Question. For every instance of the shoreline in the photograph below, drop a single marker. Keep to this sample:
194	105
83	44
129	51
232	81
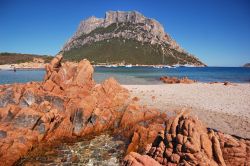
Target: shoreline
224	108
31	65
111	65
155	66
23	66
22	69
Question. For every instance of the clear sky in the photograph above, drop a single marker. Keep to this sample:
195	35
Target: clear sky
216	31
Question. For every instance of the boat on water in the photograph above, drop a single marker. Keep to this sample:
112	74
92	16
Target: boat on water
130	65
187	65
176	65
111	66
166	66
158	67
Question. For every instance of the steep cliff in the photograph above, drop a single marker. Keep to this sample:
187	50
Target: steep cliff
126	37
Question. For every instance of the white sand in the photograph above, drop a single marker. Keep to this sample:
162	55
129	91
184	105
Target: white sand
6	67
26	65
226	108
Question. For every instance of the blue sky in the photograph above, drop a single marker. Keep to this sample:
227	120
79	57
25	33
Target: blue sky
216	31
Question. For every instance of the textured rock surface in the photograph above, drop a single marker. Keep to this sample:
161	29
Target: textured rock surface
135	159
68	104
128	25
185	141
134	17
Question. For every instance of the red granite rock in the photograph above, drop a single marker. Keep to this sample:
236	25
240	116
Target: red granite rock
67	104
142	125
135	159
234	151
186	141
175	80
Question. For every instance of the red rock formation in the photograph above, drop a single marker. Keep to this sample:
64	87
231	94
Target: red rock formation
68	104
175	80
141	125
234	151
135	159
186	141
69	74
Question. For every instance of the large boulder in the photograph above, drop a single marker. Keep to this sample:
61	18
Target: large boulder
67	74
186	141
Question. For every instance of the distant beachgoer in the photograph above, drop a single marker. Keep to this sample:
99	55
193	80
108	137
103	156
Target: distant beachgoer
14	69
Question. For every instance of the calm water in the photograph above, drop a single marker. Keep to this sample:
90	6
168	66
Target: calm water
143	75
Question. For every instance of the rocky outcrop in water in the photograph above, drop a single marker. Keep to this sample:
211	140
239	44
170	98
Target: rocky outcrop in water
127	28
175	80
246	65
68	105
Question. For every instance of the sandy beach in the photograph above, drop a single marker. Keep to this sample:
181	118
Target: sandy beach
224	108
23	66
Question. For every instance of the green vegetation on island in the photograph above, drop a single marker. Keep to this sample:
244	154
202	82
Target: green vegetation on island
16	58
117	50
125	42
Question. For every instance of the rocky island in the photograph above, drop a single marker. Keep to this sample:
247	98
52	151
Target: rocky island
125	38
246	65
68	104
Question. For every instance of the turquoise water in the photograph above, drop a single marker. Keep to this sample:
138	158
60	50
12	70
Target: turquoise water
9	77
143	75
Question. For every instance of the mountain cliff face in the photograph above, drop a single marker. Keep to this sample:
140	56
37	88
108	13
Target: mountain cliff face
126	37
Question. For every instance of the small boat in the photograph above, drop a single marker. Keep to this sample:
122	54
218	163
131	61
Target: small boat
130	65
188	65
166	66
111	66
158	67
176	65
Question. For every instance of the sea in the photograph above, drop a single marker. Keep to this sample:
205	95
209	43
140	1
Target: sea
142	75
